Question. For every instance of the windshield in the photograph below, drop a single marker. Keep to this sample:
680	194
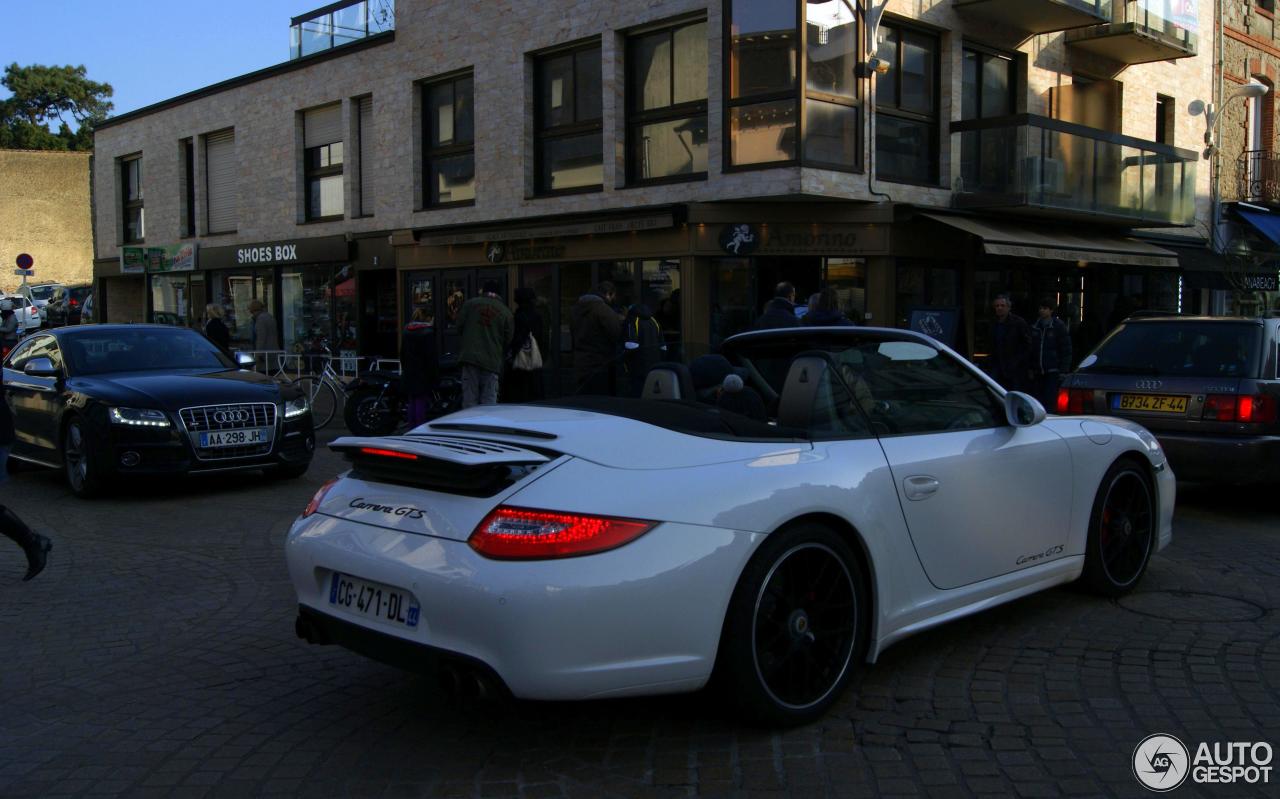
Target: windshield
1179	348
42	292
96	352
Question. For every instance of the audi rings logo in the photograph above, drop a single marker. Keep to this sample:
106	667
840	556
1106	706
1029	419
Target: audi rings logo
1148	384
231	417
1161	763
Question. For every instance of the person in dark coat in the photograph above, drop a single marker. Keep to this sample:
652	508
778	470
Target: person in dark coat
1010	346
525	385
214	328
826	311
643	346
35	546
597	339
419	366
1050	354
781	310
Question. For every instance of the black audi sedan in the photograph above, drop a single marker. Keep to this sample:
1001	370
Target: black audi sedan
117	401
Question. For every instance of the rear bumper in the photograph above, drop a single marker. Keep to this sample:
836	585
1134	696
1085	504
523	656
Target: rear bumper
641	619
1222	459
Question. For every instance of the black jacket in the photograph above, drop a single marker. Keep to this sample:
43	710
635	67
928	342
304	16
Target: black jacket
419	364
778	313
1011	352
644	342
528	322
826	319
1050	346
217	332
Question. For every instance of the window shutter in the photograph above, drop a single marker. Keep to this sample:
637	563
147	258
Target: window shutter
322	126
366	156
220	168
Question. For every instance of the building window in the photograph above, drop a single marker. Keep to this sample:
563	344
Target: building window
667	104
322	162
364	108
762	103
131	195
832	128
907	107
987	86
568	120
449	164
188	187
220	181
1164	119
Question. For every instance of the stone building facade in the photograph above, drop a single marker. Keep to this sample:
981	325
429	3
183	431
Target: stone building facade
44	212
1246	159
1000	152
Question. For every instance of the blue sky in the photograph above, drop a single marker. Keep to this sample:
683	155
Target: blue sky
150	50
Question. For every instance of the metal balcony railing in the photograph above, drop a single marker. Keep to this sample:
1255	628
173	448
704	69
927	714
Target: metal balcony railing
1061	169
1258	177
339	24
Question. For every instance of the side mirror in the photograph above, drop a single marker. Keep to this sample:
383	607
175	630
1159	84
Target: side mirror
1023	410
41	367
245	361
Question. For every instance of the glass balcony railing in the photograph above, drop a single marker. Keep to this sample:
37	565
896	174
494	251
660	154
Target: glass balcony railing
339	24
1039	16
1162	19
1046	166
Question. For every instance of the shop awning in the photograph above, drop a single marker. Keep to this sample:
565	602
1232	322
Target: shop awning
1055	244
1266	224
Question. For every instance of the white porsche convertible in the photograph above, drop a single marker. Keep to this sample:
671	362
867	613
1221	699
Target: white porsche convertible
599	547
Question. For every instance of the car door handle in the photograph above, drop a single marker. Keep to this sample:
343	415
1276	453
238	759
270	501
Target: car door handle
919	487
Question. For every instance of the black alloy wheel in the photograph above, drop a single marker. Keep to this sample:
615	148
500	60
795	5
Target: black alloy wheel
77	460
1122	530
796	624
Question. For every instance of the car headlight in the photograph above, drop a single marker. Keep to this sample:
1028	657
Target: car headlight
139	417
293	408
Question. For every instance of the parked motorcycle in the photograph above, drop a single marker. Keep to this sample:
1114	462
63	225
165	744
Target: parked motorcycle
376	405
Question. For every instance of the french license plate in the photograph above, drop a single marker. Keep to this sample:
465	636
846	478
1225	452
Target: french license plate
1149	403
373	600
234	438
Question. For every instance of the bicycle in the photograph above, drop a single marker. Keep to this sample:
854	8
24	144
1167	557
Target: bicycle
322	390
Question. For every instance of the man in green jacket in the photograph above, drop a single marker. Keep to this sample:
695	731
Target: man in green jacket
486	326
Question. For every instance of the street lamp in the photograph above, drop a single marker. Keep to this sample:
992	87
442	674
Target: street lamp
1253	90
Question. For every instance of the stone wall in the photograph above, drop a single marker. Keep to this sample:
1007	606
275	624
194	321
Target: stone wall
44	212
1251	50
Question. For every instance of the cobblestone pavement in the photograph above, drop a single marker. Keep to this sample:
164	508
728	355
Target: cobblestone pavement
156	656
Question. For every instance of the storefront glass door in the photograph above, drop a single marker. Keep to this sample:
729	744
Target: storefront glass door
232	291
171	299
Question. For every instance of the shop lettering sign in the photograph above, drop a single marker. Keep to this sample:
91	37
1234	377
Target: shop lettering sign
267	255
1258	282
535	252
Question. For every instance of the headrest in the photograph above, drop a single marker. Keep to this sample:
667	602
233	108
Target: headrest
806	380
668	381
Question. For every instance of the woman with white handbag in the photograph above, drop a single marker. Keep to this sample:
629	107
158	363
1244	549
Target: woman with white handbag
528	351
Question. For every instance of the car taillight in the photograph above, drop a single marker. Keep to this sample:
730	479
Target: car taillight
314	504
1253	409
523	534
1075	400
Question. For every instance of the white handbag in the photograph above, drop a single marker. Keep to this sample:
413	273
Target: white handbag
529	358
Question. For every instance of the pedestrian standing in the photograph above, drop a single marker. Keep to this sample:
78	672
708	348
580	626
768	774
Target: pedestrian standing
419	365
1010	346
643	346
597	338
825	310
781	310
262	333
1050	354
529	350
35	546
8	326
485	325
214	328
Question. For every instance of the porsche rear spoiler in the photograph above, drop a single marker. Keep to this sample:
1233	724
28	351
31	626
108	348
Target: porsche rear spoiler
448	464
